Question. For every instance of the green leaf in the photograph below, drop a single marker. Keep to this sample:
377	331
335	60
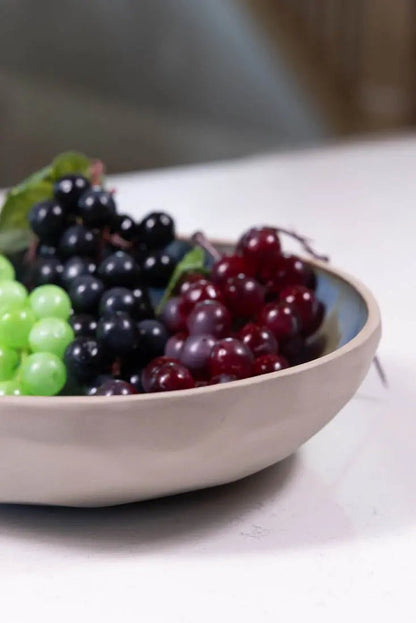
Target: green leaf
18	203
32	180
192	262
70	162
14	240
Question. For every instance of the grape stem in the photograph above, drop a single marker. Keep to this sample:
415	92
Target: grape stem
97	172
304	241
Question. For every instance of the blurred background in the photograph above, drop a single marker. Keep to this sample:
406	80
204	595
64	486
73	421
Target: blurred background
152	83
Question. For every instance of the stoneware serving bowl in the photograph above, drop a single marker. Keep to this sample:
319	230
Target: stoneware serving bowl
98	451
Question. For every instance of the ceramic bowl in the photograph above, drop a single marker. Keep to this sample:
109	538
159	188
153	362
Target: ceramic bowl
83	451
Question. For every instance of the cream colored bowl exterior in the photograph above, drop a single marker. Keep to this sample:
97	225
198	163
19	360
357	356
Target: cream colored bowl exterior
82	451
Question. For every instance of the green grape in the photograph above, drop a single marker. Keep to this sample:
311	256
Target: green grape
42	374
15	326
50	335
50	302
6	269
10	388
9	360
13	295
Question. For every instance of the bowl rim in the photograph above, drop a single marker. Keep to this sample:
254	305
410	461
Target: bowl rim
372	324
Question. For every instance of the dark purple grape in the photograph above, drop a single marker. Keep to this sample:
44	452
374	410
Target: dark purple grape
134	302
115	387
68	189
83	325
90	389
195	354
76	267
96	207
78	240
47	271
120	269
126	227
153	337
46	251
85	359
174	345
157	230
157	269
85	294
118	334
47	220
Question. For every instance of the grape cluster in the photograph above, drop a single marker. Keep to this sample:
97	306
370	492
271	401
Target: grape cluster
83	322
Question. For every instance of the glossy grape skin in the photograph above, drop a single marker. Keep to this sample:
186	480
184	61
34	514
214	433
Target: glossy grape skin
118	334
116	387
85	359
152	367
83	325
120	270
11	388
46	251
281	319
75	267
134	302
7	272
85	294
202	290
126	227
15	326
13	295
173	315
260	340
171	377
229	266
153	337
69	188
283	271
47	220
209	318
50	301
174	345
259	246
223	378
42	374
306	305
47	271
230	356
157	230
157	269
243	296
195	354
187	280
79	240
133	375
50	335
96	207
269	363
90	389
9	361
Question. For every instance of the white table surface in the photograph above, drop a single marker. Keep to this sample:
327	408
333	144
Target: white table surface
330	532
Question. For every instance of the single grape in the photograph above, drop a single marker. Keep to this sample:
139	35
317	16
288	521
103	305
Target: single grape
7	272
85	359
133	375
120	269
50	302
118	334
202	290
116	387
173	315
134	302
83	325
42	374
96	207
187	280
259	246
15	326
157	269
68	189
230	356
85	294
209	318
9	362
13	295
150	370
285	270
244	296
76	267
175	344
306	305
126	227
269	363
153	337
47	220
171	377
229	266
260	340
78	240
47	271
157	230
50	335
281	319
11	388
195	354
